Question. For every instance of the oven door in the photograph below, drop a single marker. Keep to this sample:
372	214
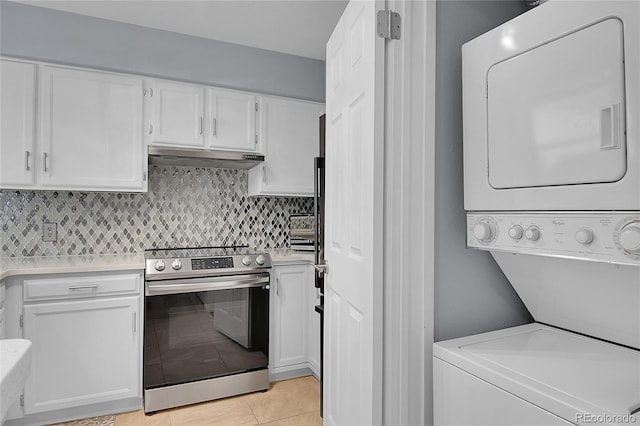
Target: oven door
204	328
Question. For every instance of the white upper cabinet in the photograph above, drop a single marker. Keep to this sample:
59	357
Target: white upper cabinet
231	120
289	139
17	109
90	131
195	116
176	113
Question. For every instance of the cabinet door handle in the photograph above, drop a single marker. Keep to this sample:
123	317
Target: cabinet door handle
215	127
44	162
264	174
135	326
201	125
277	286
84	287
26	160
151	92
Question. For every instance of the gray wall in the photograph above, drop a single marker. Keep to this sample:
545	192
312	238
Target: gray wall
37	33
471	293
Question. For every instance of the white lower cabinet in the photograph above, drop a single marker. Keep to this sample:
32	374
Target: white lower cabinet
86	350
295	342
313	327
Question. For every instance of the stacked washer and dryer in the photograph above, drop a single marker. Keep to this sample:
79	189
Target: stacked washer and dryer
552	191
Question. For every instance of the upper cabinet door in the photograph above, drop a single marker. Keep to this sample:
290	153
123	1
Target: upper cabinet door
91	131
231	120
17	106
177	114
289	138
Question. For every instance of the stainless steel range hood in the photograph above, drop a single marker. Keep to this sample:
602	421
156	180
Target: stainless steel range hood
169	156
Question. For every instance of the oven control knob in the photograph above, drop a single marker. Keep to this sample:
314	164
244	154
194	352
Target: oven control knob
246	261
630	238
516	232
159	265
260	259
176	264
532	233
585	236
484	231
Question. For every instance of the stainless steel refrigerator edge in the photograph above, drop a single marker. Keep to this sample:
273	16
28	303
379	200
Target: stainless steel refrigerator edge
320	264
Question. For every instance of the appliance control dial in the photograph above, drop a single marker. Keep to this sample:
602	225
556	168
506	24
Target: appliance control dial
585	236
516	232
246	261
260	259
532	233
629	238
159	265
484	231
176	264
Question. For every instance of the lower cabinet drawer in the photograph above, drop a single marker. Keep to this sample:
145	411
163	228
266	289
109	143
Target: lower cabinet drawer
81	286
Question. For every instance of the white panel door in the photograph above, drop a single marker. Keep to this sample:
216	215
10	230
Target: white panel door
231	120
90	130
84	352
353	239
177	114
17	109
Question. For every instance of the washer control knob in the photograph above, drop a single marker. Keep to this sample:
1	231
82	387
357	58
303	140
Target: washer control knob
584	236
159	265
246	261
630	238
532	233
484	231
176	265
260	259
516	232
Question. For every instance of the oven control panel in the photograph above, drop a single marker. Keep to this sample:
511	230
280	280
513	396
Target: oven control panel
212	263
606	237
200	266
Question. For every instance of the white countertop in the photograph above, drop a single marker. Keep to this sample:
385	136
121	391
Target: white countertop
10	266
288	256
15	363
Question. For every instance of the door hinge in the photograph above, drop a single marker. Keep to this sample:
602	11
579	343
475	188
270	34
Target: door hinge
21	321
144	176
256	139
256	106
22	400
389	24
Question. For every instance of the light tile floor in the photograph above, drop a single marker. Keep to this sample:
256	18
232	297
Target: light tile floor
294	402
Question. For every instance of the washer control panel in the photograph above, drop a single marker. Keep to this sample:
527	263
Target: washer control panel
612	237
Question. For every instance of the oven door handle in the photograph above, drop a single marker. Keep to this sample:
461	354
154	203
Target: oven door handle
156	288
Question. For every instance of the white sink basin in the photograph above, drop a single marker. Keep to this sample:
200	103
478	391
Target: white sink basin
15	363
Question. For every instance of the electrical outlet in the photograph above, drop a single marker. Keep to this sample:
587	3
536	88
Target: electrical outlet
50	232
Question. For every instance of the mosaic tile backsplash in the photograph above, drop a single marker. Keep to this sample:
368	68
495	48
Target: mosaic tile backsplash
184	207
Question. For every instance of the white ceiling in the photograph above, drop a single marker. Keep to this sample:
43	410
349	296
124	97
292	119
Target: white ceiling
297	27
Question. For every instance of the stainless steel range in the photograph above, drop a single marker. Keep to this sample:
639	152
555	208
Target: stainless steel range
206	333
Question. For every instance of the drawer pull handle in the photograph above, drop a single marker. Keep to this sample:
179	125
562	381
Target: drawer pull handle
84	287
